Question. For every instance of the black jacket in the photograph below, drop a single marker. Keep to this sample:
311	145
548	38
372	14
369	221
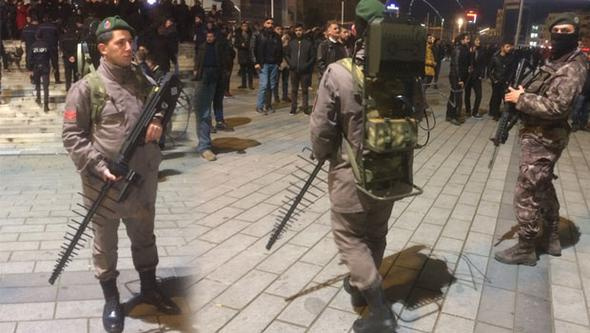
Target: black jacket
460	61
500	68
300	55
68	44
242	44
40	56
266	48
329	52
477	66
50	34
220	53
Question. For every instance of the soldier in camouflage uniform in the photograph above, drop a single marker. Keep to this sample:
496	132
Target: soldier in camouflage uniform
545	107
359	223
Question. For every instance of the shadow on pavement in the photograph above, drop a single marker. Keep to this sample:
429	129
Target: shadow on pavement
231	144
171	156
569	233
237	121
164	174
176	287
413	288
420	285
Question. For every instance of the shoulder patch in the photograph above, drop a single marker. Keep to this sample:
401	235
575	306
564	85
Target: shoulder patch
70	115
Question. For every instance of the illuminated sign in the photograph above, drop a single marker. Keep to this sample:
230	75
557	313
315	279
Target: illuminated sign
471	17
391	6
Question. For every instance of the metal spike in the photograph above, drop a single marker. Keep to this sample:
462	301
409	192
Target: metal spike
312	185
78	213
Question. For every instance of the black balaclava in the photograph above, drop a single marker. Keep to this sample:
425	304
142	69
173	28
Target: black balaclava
562	44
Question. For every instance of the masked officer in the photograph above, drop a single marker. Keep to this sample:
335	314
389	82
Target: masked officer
544	108
92	139
359	223
40	56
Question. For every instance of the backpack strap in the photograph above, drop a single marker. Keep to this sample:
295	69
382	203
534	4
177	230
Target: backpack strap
358	77
98	93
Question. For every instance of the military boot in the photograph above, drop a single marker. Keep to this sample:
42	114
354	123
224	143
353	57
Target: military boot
150	294
523	253
356	298
113	318
550	242
380	318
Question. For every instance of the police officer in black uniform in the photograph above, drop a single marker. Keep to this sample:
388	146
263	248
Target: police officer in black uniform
68	44
50	34
40	65
28	37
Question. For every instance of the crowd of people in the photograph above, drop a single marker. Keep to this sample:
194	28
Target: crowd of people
282	58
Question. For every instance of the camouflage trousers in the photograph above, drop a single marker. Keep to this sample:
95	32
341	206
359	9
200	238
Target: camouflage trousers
535	201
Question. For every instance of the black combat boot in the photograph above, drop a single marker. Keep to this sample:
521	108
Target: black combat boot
380	318
523	253
356	298
151	295
113	318
550	242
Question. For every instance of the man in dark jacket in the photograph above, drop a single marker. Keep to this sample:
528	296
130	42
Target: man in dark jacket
209	69
476	73
300	57
267	54
40	56
457	76
500	73
242	44
50	34
331	49
28	37
69	44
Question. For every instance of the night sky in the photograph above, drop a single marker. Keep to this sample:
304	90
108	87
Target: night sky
487	9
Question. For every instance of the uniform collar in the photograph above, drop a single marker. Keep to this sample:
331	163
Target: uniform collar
115	72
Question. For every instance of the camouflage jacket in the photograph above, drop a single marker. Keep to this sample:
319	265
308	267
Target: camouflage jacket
548	99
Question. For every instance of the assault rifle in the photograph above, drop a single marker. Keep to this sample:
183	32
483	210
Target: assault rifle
510	115
161	99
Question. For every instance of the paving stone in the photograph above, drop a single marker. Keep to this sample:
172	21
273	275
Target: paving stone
422	312
565	274
245	290
564	327
203	292
256	316
7	327
426	234
222	232
257	212
28	294
531	314
486	328
484	224
497	307
321	253
294	279
282	259
65	326
501	276
457	229
478	243
78	309
16	267
534	281
438	215
452	324
212	317
569	305
26	311
332	320
281	327
460	299
305	309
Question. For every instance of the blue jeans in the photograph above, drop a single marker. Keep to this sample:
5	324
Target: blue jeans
204	93
269	72
580	111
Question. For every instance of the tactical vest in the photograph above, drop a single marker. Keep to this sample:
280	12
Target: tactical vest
384	164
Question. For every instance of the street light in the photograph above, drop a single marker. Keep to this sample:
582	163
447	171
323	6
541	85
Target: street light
460	22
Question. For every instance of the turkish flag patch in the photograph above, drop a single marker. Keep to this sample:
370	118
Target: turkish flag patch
70	115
